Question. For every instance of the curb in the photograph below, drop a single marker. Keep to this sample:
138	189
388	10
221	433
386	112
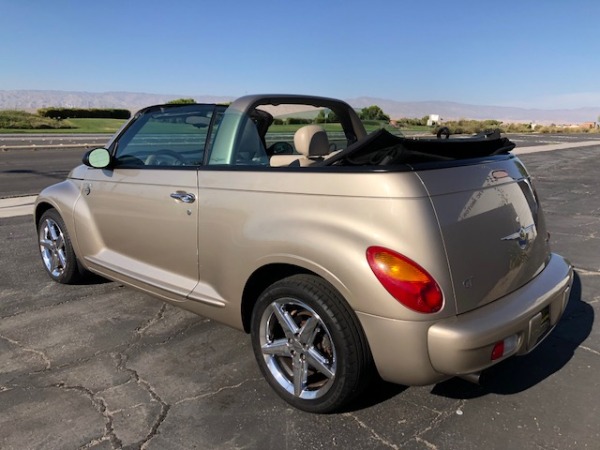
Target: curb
17	206
551	147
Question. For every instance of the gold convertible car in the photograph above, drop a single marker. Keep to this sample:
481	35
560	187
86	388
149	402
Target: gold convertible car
342	253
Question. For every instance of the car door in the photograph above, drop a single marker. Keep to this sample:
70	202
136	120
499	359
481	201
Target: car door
137	221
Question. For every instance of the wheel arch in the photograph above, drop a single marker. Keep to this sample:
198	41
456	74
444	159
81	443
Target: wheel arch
40	209
262	278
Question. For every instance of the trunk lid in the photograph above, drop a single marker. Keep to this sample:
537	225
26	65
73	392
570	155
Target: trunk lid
492	226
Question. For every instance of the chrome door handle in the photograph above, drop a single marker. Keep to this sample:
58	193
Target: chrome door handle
184	197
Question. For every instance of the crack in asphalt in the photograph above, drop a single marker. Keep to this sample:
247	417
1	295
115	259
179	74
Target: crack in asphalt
39	353
171	336
427	444
440	418
122	359
218	391
595	352
164	407
94	442
376	436
161	313
101	407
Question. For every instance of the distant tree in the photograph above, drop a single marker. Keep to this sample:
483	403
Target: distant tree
181	101
321	117
373	112
326	116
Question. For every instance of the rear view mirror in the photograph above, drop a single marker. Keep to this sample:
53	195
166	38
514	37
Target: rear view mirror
98	158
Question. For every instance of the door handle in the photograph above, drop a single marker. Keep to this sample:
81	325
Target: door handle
184	197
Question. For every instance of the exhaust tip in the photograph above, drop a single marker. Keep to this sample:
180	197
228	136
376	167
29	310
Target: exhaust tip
472	377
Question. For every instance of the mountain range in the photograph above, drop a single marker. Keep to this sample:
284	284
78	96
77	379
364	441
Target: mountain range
31	100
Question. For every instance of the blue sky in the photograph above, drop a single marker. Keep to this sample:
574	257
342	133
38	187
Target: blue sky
515	53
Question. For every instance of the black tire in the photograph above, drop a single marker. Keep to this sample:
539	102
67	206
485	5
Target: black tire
56	249
309	345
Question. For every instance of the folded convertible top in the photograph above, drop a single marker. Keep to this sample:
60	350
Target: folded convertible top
383	148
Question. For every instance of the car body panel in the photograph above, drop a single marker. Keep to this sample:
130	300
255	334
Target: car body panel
126	218
248	221
494	231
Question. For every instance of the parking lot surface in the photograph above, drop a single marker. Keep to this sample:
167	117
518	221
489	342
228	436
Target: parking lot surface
102	366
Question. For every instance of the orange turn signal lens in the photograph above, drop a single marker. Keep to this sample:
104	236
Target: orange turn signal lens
405	280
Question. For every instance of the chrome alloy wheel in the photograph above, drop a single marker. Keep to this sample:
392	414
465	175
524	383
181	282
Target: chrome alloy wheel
53	248
297	348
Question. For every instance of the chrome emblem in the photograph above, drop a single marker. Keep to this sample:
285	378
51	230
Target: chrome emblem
522	236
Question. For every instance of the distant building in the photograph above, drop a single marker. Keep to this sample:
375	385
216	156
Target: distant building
588	125
434	119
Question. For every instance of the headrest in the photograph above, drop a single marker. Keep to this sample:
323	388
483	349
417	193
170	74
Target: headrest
311	141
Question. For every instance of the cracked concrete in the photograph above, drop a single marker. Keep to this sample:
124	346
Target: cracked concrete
101	366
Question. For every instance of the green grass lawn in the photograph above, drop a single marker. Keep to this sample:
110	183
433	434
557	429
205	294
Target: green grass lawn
97	125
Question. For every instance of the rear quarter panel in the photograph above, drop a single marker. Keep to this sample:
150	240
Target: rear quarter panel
250	219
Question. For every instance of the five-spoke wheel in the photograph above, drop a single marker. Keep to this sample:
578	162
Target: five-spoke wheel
309	345
56	250
297	348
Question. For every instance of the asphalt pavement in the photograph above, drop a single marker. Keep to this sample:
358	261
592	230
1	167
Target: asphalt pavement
14	141
102	366
30	162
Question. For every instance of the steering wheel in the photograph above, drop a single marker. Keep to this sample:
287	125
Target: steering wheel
280	148
157	158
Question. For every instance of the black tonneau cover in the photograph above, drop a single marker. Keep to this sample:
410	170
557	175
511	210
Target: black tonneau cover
383	148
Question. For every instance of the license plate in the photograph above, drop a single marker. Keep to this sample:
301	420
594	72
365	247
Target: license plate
539	326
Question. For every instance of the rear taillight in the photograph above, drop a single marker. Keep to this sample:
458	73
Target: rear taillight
405	280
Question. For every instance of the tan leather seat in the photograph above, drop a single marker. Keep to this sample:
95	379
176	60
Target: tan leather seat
311	142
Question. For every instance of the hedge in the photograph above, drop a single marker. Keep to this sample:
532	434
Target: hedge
84	113
21	120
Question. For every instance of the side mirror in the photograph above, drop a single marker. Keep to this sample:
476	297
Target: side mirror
98	158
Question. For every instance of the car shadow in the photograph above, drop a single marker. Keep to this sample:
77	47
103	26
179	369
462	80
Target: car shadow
378	391
518	374
90	278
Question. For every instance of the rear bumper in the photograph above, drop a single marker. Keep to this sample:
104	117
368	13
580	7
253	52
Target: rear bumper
463	344
420	353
